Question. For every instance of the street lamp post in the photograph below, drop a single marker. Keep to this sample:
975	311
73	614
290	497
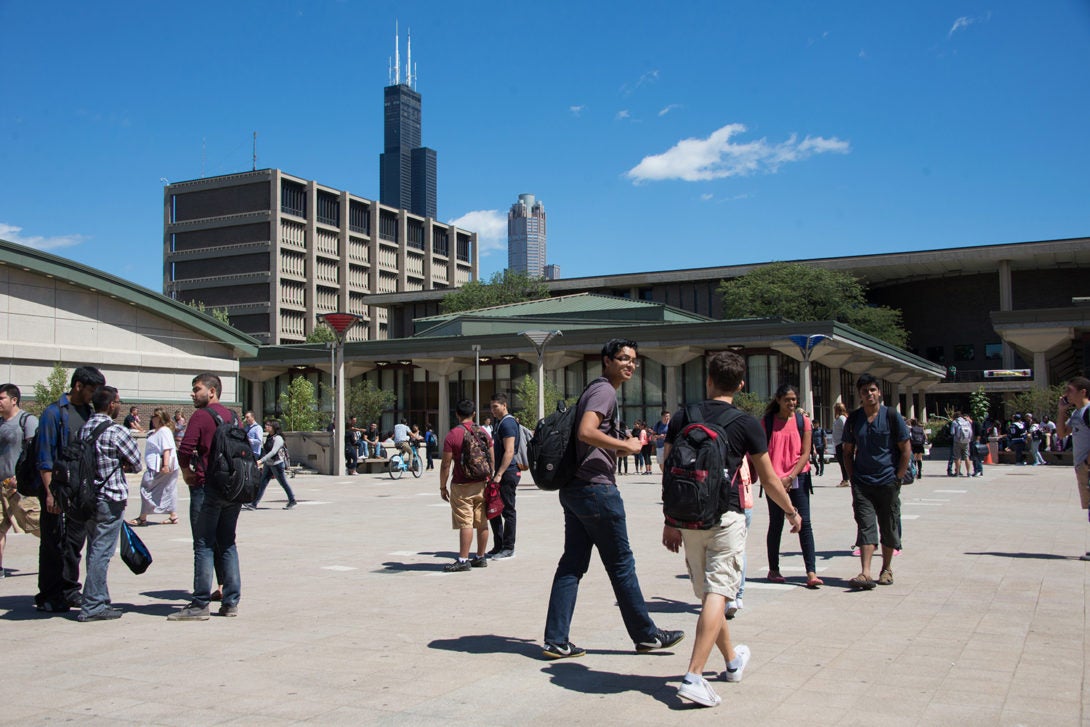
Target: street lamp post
807	344
339	323
477	379
540	339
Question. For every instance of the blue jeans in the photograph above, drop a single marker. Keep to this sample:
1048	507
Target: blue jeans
270	471
800	498
594	517
214	548
102	532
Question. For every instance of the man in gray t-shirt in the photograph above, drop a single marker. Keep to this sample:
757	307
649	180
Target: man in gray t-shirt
16	426
594	515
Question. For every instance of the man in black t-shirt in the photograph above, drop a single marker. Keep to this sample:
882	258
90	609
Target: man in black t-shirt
505	436
714	556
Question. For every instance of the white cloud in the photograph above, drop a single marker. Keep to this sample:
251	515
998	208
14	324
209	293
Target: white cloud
490	226
11	233
863	54
707	196
667	109
716	157
576	110
965	21
622	114
649	77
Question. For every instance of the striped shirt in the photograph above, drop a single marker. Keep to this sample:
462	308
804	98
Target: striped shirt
114	449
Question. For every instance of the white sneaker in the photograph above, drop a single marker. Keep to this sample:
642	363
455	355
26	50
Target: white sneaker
733	607
698	691
740	652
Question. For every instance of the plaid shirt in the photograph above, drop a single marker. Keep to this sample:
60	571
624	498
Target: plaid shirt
114	449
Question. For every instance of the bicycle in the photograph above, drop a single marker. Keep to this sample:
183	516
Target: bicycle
397	465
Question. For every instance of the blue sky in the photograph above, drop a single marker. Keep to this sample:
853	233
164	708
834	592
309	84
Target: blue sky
658	135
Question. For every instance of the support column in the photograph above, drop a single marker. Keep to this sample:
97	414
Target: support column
442	425
1040	370
910	402
673	402
897	397
257	403
1006	302
835	393
922	405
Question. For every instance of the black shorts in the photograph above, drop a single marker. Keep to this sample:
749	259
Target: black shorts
917	448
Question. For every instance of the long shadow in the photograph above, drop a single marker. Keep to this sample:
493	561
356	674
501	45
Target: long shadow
1036	556
582	679
152	609
393	566
489	644
21	608
658	604
173	594
819	554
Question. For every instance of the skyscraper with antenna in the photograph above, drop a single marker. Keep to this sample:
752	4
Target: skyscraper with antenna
407	170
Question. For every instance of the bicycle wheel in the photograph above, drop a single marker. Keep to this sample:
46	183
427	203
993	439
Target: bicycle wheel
418	466
395	467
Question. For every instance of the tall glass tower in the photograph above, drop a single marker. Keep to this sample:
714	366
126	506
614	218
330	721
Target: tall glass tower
407	171
526	236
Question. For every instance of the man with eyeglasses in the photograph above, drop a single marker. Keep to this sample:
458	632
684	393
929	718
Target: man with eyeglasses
594	515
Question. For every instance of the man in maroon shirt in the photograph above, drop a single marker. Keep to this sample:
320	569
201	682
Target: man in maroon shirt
212	517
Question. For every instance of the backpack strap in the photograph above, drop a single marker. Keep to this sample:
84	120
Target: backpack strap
23	415
92	439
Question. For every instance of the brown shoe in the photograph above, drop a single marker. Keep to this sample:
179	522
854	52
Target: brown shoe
217	595
885	578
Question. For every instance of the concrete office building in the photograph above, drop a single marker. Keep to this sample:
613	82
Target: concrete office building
526	236
275	250
407	170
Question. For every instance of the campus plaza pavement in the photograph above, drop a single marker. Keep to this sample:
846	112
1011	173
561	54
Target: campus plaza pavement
347	618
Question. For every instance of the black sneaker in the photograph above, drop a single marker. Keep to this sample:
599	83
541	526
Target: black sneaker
662	640
457	566
290	505
478	562
567	651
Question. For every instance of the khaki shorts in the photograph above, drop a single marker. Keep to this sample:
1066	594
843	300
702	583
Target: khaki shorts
1082	477
467	506
714	557
19	512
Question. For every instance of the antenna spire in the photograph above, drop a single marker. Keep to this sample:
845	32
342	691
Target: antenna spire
397	55
409	60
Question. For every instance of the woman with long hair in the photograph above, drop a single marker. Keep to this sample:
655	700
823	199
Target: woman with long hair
159	484
274	463
789	440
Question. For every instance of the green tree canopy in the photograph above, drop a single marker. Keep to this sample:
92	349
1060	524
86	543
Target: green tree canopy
322	333
299	406
363	400
527	394
48	391
220	314
502	288
800	292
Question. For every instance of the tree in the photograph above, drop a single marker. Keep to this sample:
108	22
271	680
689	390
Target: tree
367	402
47	392
800	292
322	333
750	403
1038	402
509	286
526	392
220	314
299	406
979	405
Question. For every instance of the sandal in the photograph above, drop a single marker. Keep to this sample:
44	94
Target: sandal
885	578
775	577
862	582
172	520
137	523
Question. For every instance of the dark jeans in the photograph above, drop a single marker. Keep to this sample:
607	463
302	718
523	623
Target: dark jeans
839	453
270	471
594	516
503	525
214	548
819	466
196	500
350	455
59	552
800	498
1019	447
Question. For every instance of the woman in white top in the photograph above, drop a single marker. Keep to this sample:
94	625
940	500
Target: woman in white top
159	485
273	462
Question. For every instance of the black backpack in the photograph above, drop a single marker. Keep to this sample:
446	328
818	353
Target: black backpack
27	479
75	485
695	482
231	464
552	448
